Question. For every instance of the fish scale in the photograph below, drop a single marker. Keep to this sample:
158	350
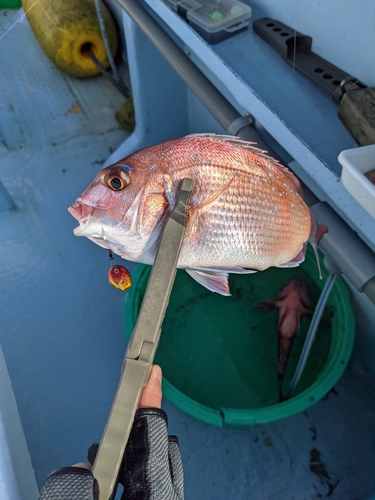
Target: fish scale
246	210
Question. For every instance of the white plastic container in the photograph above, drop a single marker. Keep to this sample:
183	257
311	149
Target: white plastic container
214	21
355	163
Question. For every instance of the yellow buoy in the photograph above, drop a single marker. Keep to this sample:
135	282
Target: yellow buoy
65	30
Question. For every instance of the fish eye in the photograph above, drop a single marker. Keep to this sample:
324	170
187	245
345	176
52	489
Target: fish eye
117	179
115	183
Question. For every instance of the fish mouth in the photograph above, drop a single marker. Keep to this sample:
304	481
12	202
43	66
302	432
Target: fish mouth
82	213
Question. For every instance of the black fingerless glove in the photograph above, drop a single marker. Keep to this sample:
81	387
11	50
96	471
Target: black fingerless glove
151	468
70	483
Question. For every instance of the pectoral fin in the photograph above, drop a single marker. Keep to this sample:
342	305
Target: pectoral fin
212	198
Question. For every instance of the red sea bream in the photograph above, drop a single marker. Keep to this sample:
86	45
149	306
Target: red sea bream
246	211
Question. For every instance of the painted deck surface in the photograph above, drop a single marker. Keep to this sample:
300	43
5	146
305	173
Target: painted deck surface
62	329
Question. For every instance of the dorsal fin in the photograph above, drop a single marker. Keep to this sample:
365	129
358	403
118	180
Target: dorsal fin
239	142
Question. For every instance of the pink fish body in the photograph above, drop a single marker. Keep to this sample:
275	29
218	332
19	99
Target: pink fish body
292	303
246	211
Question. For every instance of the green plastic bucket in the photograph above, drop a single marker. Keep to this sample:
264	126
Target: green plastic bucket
219	354
10	4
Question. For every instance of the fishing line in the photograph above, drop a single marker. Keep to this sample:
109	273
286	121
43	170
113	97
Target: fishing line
19	19
292	18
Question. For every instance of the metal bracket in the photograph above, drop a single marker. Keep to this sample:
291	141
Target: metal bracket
295	48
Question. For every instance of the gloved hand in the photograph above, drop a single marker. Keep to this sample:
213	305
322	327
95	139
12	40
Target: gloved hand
151	468
70	483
